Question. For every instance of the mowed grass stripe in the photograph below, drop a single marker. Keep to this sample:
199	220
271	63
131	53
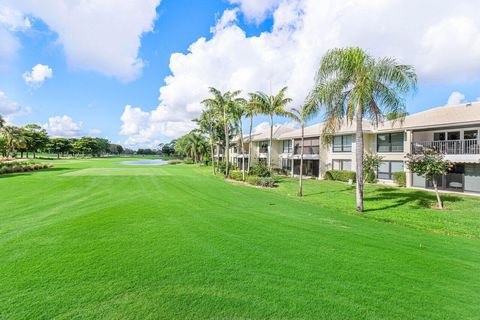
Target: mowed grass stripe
189	245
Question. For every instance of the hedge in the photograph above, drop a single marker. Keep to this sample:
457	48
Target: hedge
340	175
21	166
265	182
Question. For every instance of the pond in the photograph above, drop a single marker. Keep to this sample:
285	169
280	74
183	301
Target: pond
145	162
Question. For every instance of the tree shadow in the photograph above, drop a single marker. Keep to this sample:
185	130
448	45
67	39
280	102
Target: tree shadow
417	198
29	173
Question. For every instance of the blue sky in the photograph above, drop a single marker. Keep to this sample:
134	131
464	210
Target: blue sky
255	45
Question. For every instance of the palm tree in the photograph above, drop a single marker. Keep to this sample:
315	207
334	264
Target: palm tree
196	146
273	105
351	85
301	116
208	123
14	137
223	103
238	111
251	111
2	122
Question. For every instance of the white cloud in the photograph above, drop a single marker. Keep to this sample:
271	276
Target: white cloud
38	75
8	106
302	32
256	10
11	20
103	36
94	132
63	126
262	127
456	98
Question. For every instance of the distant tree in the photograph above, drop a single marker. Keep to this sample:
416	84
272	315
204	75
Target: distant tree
59	146
36	138
429	163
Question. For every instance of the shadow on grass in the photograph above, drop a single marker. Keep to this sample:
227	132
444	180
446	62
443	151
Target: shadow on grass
396	198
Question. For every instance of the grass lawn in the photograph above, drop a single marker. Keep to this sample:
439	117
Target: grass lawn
96	239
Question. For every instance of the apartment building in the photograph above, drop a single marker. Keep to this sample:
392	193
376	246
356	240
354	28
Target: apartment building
453	130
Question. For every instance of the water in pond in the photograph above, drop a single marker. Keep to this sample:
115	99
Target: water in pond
145	162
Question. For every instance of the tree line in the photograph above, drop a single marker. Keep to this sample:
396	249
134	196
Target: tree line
32	138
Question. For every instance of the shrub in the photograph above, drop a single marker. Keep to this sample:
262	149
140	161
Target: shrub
17	168
175	161
370	177
222	166
400	178
236	175
261	170
370	165
266	182
281	171
340	175
188	161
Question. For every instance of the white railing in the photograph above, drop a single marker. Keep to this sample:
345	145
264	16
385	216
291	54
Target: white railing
471	146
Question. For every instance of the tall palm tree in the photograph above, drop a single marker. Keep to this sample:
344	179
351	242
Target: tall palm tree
271	105
14	137
223	103
251	111
301	116
196	146
351	85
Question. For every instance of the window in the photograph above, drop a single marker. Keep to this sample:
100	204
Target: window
387	168
287	146
454	135
342	143
390	142
470	135
439	136
310	146
342	165
287	164
263	146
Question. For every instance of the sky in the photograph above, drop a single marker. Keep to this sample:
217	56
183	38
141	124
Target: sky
136	71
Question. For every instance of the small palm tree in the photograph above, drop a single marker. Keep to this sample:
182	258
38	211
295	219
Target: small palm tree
352	85
301	116
238	111
14	137
251	110
208	123
273	105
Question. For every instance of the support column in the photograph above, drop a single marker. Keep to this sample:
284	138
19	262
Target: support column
408	150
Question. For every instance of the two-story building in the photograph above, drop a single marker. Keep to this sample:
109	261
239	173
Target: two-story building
453	130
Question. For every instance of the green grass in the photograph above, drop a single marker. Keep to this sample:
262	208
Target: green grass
92	239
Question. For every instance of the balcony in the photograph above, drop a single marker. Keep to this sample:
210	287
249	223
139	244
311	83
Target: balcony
449	147
307	150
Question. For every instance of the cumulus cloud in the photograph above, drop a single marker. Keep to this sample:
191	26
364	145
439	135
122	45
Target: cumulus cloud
256	10
63	127
103	36
443	44
456	98
10	109
38	75
11	20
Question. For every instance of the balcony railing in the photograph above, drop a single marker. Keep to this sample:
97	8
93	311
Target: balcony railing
471	146
306	150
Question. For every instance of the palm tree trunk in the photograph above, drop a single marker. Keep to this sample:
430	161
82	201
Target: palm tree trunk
211	150
250	145
227	144
300	191
270	146
359	157
437	194
241	150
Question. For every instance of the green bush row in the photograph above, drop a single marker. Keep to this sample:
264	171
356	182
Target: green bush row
266	182
236	175
18	167
15	163
340	175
